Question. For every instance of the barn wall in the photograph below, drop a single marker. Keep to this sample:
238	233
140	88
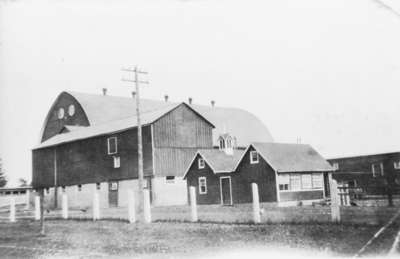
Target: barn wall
53	125
169	193
87	161
260	173
182	127
359	169
213	190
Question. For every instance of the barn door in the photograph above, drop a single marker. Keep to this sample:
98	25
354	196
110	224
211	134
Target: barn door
113	194
226	190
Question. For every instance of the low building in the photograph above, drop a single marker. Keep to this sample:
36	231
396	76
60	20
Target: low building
369	175
285	173
21	195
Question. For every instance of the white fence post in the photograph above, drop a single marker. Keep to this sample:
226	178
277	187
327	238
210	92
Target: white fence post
64	206
96	206
12	209
193	203
335	209
131	207
27	197
146	206
256	204
37	207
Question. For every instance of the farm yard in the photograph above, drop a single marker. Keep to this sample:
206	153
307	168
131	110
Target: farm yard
219	230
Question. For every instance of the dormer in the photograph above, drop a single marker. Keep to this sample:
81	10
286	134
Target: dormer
227	143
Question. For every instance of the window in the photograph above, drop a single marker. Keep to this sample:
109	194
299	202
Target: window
295	182
221	143
117	162
201	163
202	185
71	110
396	165
335	166
98	186
253	157
79	187
61	113
228	143
63	188
283	182
317	181
113	186
47	191
112	145
377	169
170	179
306	182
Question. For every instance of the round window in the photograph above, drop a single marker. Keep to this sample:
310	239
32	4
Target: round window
71	110
61	113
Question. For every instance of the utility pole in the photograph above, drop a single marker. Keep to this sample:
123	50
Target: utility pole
136	80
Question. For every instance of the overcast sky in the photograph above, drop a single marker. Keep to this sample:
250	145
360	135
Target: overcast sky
327	71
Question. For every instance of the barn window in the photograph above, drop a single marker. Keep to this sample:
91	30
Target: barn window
113	186
335	166
306	182
317	181
377	169
71	110
170	179
112	145
283	182
98	186
201	163
253	157
396	165
295	182
60	113
117	162
63	189
202	185
79	187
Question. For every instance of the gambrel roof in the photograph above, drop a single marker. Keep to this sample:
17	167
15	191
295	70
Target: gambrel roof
109	114
241	124
283	157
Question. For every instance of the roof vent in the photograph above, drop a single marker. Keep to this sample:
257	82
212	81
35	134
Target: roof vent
190	100
104	91
133	94
212	103
166	97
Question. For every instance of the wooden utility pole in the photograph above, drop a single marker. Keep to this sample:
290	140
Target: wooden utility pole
136	80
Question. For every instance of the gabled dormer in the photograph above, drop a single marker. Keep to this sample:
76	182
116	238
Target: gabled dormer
227	143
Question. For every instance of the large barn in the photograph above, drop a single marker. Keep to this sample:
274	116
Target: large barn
89	142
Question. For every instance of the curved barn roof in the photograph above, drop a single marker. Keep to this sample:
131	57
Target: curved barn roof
102	110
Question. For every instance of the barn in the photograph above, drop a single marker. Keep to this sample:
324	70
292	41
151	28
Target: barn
89	142
285	173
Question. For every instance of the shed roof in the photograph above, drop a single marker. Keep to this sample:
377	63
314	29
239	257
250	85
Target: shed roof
103	109
284	157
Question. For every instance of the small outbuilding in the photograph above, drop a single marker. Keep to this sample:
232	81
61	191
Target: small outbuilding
285	173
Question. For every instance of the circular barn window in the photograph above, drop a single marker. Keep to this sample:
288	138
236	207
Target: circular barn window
61	113
71	110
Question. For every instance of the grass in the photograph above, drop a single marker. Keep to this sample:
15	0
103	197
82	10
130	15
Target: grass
75	238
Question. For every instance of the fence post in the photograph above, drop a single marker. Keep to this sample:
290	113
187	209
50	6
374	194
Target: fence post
27	197
335	209
146	206
193	203
131	207
37	207
256	203
96	206
64	206
12	209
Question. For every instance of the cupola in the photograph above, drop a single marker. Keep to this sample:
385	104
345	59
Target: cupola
227	143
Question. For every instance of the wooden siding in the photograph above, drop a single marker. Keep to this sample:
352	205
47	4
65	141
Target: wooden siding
87	161
359	169
182	128
301	195
53	125
172	161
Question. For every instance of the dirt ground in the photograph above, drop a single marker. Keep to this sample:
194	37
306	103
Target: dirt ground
75	238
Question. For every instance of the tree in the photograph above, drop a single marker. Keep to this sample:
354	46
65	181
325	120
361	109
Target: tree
3	179
23	182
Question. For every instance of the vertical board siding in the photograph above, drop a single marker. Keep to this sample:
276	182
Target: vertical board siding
87	161
54	125
173	161
182	128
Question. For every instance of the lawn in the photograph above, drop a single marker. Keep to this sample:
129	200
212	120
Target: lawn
75	238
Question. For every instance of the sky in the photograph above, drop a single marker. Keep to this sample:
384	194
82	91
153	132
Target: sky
325	71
